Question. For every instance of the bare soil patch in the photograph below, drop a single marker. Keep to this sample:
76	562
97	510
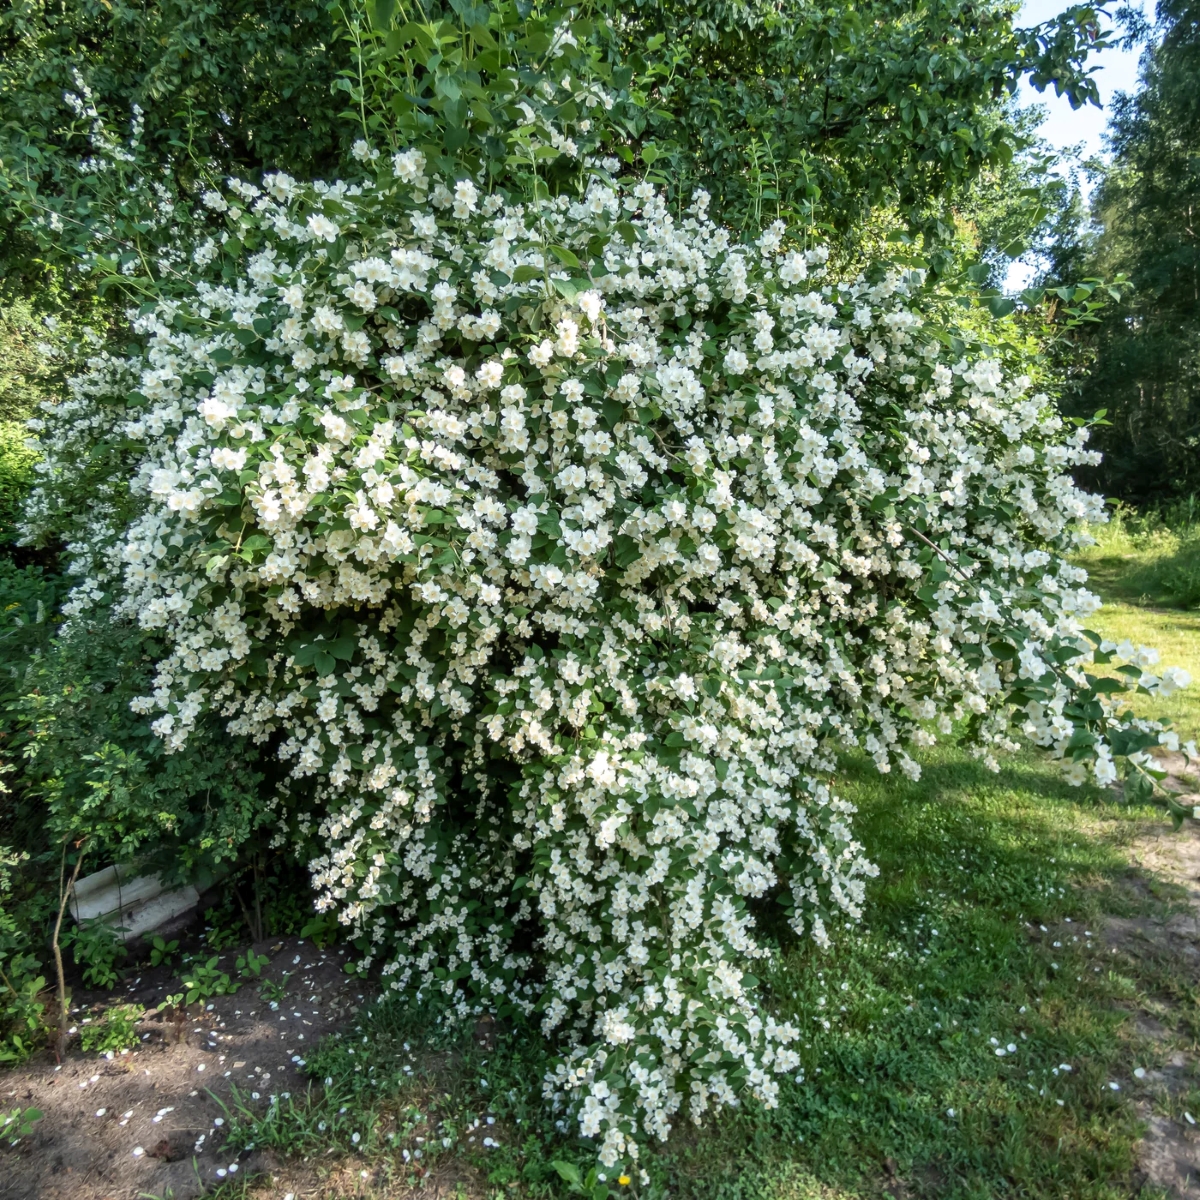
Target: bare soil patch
1169	1154
149	1121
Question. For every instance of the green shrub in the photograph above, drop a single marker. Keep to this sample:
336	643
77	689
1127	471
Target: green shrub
16	474
83	747
97	949
22	1009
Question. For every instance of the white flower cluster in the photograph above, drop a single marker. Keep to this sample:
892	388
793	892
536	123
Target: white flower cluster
556	549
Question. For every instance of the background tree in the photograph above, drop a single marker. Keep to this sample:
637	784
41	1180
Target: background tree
1145	222
842	109
829	110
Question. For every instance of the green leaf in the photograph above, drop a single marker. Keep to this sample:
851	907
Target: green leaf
380	13
568	289
569	1172
626	550
526	273
343	648
564	256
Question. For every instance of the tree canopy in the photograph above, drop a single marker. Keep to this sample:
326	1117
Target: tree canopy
827	111
1145	223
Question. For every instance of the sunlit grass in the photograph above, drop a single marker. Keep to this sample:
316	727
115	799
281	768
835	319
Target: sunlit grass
1176	636
901	1023
1151	560
1147	570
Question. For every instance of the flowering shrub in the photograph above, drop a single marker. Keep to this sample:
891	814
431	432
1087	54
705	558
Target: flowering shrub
557	548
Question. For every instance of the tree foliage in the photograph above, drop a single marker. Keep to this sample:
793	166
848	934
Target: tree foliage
829	111
836	110
222	85
1146	216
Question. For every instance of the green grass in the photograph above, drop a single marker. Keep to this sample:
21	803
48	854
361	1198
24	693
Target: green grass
1146	568
1151	559
984	860
980	933
1176	636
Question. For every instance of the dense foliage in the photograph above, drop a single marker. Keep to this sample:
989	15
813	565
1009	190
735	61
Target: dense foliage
1146	370
557	546
832	111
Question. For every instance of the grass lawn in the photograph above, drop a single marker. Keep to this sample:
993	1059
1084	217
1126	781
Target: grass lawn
1176	636
974	1038
982	935
1148	573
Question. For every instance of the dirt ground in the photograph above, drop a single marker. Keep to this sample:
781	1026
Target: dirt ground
1169	1155
146	1121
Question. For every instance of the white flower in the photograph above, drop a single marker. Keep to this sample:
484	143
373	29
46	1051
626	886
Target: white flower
465	199
409	166
634	604
590	304
736	362
322	228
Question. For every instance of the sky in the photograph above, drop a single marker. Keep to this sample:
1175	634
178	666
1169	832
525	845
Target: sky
1064	126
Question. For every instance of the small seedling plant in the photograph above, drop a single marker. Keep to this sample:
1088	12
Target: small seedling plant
162	951
115	1031
250	965
274	990
18	1123
205	980
178	1013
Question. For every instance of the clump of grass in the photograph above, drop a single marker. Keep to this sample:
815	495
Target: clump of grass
1149	558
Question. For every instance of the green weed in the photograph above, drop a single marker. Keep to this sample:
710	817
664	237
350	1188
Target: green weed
115	1031
203	981
272	990
96	947
162	951
18	1123
250	965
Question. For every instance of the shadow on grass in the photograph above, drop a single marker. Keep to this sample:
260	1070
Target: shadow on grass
903	1091
1168	579
933	1036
